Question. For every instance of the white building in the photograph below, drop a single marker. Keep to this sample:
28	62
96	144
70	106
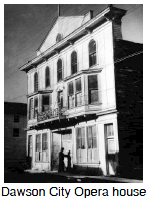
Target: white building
72	94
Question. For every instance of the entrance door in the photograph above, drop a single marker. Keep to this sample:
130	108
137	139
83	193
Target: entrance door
56	147
67	144
30	152
110	150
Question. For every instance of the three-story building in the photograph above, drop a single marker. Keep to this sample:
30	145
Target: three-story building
72	94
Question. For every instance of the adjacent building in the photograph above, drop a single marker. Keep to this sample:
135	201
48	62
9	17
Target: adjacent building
84	94
15	122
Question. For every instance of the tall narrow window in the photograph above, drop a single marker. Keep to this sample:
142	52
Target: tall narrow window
38	155
59	70
31	108
93	89
44	147
70	95
92	53
81	145
36	82
35	107
92	151
46	102
47	77
78	92
73	62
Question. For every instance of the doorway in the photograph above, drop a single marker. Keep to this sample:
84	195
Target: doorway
110	149
61	139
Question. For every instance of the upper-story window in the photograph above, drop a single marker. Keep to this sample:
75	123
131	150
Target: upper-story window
36	82
35	107
73	62
47	77
92	53
59	70
46	102
31	108
93	89
59	37
74	93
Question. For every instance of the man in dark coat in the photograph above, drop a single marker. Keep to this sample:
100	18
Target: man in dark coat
61	160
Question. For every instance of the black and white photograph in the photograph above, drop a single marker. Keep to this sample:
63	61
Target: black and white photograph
73	93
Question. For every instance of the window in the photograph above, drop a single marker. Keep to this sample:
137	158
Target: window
92	151
60	99
16	118
92	53
44	147
35	107
38	155
109	136
80	132
81	149
93	89
74	96
46	102
15	132
59	70
47	77
41	150
59	37
70	95
31	108
109	130
73	62
86	145
36	82
78	93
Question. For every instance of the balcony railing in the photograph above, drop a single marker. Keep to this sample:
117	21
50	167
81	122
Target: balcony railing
51	113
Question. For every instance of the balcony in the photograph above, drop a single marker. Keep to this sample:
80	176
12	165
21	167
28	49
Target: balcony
57	113
75	106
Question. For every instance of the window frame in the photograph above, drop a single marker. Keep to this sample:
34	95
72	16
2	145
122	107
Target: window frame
89	89
31	108
71	95
50	101
87	155
74	63
43	148
47	76
35	107
78	92
59	70
75	93
92	55
36	82
16	132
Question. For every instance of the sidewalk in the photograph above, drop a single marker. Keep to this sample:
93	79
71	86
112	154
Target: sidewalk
74	178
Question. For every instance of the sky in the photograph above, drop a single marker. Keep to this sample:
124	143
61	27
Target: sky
26	25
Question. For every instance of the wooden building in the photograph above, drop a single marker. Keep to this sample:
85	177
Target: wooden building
77	89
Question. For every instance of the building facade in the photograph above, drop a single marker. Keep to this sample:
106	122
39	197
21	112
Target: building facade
15	122
72	95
